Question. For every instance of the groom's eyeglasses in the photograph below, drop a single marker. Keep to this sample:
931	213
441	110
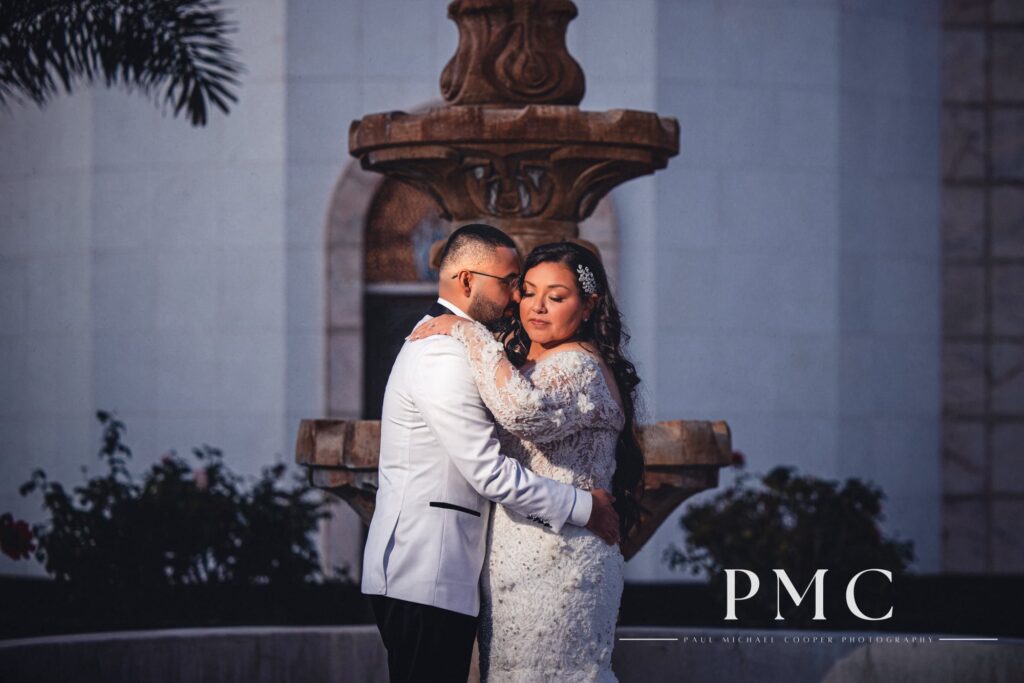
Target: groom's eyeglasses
509	280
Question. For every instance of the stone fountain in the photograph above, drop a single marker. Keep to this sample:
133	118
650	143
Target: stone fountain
512	148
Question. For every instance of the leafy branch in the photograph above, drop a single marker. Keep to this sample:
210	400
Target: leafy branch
797	523
178	525
177	47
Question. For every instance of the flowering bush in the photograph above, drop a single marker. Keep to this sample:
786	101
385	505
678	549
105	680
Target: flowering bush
796	523
15	538
178	525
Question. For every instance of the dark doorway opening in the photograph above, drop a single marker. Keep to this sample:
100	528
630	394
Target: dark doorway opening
387	319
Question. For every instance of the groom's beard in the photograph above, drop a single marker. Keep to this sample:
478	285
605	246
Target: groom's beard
491	315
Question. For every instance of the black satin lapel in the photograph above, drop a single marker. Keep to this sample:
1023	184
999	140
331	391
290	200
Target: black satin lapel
436	310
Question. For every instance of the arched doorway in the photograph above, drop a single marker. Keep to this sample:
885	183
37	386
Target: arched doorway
399	283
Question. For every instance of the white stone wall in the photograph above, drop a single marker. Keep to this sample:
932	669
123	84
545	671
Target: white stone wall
46	345
889	391
782	274
143	271
797	289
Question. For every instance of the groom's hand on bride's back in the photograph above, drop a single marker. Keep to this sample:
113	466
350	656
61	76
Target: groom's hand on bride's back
604	521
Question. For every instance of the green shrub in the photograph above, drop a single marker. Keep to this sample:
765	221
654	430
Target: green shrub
178	525
796	523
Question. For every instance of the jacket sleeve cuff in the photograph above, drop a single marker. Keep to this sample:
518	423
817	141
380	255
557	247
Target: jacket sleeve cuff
581	508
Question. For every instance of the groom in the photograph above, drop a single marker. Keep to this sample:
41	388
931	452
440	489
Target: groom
440	465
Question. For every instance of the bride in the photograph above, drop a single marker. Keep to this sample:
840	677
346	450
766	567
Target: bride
562	395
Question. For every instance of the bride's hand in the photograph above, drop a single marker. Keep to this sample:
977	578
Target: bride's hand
442	324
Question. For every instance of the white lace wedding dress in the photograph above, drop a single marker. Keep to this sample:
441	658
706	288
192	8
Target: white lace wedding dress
549	600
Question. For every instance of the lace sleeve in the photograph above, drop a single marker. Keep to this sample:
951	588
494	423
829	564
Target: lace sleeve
540	412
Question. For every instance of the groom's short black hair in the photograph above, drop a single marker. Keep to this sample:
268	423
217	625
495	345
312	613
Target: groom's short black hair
473	236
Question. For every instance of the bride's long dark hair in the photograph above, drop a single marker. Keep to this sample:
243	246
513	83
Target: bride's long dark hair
604	330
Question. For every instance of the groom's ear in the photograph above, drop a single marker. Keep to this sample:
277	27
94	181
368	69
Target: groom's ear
464	278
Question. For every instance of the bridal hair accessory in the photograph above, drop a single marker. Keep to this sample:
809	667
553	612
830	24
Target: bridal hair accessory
587	280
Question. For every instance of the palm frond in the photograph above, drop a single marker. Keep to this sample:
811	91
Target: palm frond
174	50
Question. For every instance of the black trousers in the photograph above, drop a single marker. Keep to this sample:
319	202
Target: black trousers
425	644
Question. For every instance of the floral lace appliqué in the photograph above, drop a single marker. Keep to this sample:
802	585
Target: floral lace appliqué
549	600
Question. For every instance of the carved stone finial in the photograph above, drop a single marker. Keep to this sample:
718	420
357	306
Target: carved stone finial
512	147
512	52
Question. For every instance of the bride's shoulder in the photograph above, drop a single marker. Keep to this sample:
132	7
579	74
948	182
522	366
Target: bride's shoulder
574	354
585	356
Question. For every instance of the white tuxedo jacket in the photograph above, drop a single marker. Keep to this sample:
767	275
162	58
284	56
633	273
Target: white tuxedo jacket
440	464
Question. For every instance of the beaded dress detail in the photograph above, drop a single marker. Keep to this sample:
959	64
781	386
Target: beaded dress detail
549	601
